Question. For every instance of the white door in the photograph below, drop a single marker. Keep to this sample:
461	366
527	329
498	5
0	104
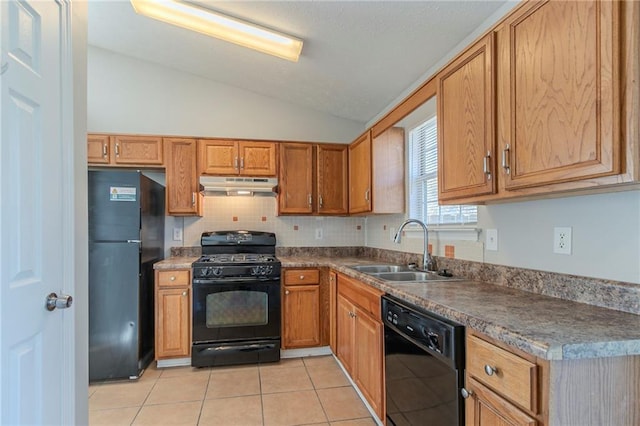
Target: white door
37	216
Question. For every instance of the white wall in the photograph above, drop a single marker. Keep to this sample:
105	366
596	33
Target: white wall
605	231
127	95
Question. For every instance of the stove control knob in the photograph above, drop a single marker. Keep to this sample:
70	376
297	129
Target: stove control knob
216	272
203	272
255	271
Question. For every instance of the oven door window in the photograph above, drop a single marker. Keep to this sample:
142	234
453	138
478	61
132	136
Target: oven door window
239	308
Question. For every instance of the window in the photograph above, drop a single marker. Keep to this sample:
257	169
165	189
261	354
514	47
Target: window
423	181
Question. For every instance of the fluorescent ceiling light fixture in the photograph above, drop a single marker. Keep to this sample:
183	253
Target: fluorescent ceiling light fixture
224	27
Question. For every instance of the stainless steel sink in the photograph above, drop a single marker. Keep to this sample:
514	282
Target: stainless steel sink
374	269
399	273
410	276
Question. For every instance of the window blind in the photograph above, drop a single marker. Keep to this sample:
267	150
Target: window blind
423	181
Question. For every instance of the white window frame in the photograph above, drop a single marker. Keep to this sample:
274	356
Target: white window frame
418	206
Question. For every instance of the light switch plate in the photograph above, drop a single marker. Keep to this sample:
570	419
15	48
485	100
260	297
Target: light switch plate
318	233
492	240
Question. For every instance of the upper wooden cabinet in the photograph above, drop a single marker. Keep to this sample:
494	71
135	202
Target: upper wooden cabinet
183	197
544	103
376	173
244	158
466	137
125	150
313	179
559	99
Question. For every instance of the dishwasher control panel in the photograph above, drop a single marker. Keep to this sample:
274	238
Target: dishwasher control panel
426	329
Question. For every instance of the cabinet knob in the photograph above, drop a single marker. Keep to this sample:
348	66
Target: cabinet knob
117	150
286	292
490	370
173	278
184	293
485	165
465	393
104	150
302	277
310	200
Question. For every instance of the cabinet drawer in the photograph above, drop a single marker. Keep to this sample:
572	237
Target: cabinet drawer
173	278
301	276
367	298
506	373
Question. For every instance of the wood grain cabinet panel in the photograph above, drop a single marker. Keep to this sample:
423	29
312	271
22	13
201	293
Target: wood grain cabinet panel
466	137
125	150
98	149
134	150
486	408
296	179
359	338
332	177
183	197
360	175
560	101
301	310
313	179
172	314
376	173
242	158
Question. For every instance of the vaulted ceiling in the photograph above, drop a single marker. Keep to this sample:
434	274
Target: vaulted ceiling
358	56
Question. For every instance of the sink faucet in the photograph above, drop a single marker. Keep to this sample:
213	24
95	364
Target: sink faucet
428	262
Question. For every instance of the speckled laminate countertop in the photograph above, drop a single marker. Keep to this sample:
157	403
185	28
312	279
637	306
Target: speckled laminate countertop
175	263
547	327
544	326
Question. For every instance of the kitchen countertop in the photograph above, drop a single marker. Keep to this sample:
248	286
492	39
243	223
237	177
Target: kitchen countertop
547	327
176	263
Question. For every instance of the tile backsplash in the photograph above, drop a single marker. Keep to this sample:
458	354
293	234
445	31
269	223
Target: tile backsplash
260	214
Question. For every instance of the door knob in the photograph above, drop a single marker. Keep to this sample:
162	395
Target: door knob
61	302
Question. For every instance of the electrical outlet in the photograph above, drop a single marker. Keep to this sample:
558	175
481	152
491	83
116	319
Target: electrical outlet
562	240
492	240
177	234
318	233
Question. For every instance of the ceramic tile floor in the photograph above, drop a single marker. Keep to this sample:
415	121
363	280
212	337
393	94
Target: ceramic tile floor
299	391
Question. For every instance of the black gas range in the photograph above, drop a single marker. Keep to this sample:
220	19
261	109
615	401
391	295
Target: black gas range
236	299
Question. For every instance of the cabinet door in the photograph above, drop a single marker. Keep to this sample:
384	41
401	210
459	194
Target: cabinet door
98	149
183	198
387	151
332	172
138	150
369	359
345	333
559	84
301	316
173	334
485	408
296	178
466	137
360	175
257	158
218	157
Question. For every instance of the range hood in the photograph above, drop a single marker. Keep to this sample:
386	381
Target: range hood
223	185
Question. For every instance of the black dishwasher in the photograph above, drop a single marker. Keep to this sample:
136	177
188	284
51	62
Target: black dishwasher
424	366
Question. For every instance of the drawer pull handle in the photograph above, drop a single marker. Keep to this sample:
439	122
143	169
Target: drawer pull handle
173	278
302	277
490	370
465	393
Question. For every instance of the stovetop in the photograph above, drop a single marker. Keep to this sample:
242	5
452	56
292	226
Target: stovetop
236	258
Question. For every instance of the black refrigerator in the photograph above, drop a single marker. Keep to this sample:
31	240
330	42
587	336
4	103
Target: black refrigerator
126	237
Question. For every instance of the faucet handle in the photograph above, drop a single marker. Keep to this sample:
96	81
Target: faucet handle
412	265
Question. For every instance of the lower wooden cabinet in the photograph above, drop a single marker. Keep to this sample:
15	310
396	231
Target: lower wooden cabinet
301	319
487	408
359	338
173	314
